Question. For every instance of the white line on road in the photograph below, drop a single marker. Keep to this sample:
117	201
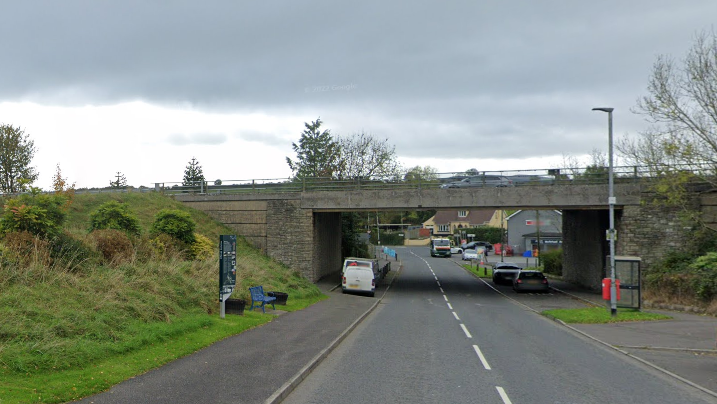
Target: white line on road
439	283
449	306
445	297
441	289
465	330
456	316
481	357
504	396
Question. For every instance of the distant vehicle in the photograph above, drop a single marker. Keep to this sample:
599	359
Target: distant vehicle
487	181
473	245
456	250
359	275
468	255
519	180
505	272
533	281
440	247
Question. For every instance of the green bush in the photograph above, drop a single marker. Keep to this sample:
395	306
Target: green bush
552	262
71	253
203	247
704	282
114	215
41	215
175	223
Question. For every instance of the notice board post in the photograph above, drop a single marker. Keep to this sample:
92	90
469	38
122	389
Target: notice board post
227	269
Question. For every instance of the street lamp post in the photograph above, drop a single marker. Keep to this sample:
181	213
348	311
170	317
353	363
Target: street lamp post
611	202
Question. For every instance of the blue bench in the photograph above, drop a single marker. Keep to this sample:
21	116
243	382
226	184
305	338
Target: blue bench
261	299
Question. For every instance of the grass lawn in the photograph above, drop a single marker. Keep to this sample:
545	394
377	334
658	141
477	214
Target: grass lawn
483	271
601	315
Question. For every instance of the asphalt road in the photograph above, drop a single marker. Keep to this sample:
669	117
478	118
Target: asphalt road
441	335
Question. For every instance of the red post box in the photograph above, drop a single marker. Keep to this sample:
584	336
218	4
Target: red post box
606	283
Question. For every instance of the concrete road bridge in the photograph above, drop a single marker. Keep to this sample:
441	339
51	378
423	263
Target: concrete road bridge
302	228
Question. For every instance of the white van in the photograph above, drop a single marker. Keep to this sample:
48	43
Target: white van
359	275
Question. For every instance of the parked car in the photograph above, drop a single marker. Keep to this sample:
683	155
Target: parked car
468	255
480	181
359	276
473	245
505	272
533	281
456	250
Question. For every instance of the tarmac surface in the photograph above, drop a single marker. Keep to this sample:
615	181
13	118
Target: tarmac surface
264	364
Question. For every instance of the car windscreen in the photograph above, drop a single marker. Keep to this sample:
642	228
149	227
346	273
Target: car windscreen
358	264
443	243
533	275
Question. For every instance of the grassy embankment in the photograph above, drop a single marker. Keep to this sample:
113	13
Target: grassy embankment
79	325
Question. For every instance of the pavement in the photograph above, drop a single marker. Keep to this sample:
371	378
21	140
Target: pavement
264	364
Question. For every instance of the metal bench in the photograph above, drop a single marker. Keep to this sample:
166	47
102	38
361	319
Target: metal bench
259	298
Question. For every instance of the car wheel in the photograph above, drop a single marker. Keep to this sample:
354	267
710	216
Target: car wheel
371	294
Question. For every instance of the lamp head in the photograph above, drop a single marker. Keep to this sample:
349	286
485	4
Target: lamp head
604	109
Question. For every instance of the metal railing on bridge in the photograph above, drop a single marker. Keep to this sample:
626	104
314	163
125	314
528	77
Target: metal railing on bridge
508	178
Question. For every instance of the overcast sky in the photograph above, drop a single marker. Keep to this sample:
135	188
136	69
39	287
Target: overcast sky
141	87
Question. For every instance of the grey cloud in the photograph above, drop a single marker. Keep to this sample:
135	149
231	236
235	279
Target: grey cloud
519	74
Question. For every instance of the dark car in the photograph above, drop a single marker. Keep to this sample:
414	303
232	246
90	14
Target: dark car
473	245
505	272
480	181
533	281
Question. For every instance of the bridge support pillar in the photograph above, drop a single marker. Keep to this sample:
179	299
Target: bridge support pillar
584	246
305	241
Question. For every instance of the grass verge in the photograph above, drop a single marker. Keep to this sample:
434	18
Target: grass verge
600	315
480	271
52	386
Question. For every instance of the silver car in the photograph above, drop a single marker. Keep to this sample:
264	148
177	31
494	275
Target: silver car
481	181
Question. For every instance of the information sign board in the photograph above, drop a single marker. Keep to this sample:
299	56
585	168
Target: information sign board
227	265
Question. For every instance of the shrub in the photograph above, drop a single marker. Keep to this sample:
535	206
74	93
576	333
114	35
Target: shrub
175	223
704	269
41	215
202	248
114	245
25	249
114	215
72	253
552	262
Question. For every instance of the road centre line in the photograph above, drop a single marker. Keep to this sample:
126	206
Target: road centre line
441	290
504	396
445	297
465	330
439	283
481	357
456	316
449	306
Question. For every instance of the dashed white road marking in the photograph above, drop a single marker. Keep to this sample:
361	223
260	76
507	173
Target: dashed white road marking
441	289
481	357
504	396
445	297
465	330
449	306
456	316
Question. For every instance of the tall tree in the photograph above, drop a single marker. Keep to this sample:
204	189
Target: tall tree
421	174
367	157
119	182
16	153
680	144
317	154
193	174
681	106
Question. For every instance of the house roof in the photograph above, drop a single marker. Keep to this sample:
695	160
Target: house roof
474	218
